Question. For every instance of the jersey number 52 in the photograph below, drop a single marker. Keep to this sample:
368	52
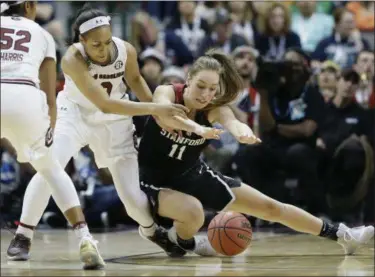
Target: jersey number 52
177	154
18	43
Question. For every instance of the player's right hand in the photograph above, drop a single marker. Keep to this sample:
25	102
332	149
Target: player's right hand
209	133
170	110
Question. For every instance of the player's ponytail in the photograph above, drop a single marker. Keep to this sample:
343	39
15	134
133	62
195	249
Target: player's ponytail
86	13
230	80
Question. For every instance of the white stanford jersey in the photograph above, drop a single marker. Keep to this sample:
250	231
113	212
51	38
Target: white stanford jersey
24	46
110	76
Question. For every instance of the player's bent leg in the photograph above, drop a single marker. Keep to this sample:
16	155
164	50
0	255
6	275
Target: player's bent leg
186	211
63	148
188	215
125	175
32	210
252	202
126	178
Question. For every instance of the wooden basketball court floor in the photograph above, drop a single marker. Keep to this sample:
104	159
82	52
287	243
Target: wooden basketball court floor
55	253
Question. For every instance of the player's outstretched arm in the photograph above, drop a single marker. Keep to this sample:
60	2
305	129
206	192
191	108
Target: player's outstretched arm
76	68
165	95
225	116
134	78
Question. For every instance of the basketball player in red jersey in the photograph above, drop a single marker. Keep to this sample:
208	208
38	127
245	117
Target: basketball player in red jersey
94	110
179	185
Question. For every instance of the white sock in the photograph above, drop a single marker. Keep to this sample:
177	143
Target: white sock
172	234
82	232
25	231
148	231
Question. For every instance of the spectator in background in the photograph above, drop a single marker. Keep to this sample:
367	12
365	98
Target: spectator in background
45	16
189	26
344	44
310	25
151	65
343	116
276	35
246	107
162	11
365	94
208	9
364	14
290	111
173	75
222	36
144	32
243	20
326	7
345	138
327	80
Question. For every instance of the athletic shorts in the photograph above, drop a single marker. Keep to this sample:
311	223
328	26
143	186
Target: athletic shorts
24	119
76	128
210	187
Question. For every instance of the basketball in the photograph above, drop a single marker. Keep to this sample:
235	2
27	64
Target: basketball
229	233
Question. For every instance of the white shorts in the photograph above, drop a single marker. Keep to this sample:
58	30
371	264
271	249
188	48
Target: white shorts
108	139
25	120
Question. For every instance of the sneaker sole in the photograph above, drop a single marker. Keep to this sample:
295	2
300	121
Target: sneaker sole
21	257
90	257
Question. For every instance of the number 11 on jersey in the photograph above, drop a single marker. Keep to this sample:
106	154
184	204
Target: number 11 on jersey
174	150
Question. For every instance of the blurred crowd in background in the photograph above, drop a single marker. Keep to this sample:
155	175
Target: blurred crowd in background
318	132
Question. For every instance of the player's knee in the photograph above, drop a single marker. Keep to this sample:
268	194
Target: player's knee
193	212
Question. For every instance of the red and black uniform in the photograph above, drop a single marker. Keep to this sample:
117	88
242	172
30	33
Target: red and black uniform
168	161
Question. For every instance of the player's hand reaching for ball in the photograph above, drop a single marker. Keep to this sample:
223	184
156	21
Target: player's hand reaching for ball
208	132
248	138
170	110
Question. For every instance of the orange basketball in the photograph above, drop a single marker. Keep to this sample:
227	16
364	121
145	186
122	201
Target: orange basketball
229	233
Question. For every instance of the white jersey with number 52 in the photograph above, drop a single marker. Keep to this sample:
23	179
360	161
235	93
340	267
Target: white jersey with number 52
24	46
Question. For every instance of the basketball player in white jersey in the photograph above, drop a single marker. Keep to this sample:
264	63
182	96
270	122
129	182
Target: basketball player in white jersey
28	117
93	110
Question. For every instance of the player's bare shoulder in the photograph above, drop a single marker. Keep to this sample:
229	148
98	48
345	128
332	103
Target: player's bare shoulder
73	61
130	49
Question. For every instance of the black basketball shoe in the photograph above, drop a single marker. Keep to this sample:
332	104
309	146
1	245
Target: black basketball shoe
19	248
161	239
